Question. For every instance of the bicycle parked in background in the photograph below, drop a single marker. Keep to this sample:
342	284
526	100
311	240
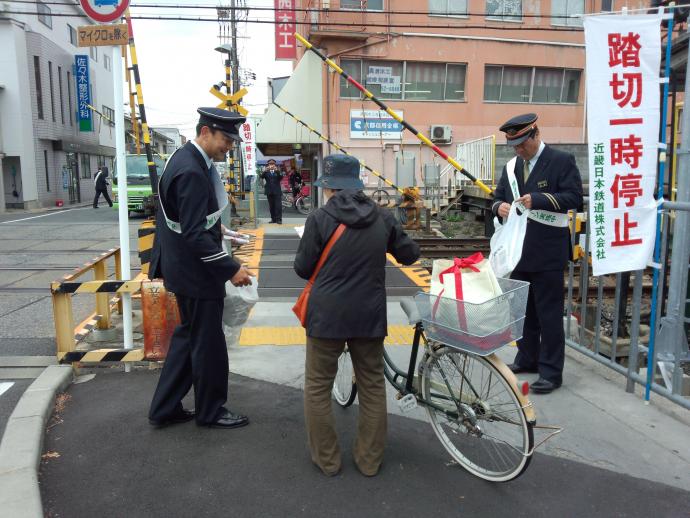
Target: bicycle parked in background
301	202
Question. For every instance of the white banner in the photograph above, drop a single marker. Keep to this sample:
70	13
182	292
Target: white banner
374	124
623	58
248	133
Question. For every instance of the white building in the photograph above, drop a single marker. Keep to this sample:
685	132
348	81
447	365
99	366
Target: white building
173	134
44	157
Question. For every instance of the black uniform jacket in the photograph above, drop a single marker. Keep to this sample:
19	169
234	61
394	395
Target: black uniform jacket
272	179
348	299
101	181
192	263
554	185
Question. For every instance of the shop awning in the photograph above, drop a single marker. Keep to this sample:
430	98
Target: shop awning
302	95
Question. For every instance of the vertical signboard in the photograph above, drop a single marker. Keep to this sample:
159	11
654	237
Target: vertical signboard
286	46
81	75
249	147
623	58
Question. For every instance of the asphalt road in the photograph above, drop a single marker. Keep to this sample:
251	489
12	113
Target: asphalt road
103	459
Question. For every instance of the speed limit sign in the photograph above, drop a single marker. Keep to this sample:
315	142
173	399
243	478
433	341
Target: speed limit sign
104	11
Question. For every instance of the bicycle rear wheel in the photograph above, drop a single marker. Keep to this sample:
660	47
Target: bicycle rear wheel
381	197
303	205
476	415
344	387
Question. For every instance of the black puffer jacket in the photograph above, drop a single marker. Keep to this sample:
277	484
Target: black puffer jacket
348	299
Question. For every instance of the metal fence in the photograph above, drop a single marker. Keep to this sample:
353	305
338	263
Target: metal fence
617	332
476	156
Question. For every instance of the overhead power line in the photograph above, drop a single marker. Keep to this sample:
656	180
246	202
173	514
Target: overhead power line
326	24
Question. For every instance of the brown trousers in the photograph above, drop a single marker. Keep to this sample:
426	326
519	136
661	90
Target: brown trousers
320	370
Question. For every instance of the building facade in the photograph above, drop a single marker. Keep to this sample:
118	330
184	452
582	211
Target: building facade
173	134
455	69
46	158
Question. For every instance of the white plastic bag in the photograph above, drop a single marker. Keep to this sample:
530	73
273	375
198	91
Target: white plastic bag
239	301
507	241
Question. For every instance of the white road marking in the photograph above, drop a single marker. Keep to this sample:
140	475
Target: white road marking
43	215
5	386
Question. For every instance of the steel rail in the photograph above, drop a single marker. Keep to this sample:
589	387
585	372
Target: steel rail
423	138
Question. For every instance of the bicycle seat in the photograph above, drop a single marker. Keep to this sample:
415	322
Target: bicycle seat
410	309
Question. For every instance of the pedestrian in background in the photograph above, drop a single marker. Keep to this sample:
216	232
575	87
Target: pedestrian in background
547	180
347	306
189	257
102	183
272	177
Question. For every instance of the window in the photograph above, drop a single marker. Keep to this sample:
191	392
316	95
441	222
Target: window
607	5
52	89
44	15
508	84
45	161
505	10
448	7
563	10
39	91
405	80
109	116
62	104
362	5
72	35
85	166
93	52
106	62
69	98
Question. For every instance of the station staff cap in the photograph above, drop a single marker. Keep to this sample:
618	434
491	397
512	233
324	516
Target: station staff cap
519	128
224	121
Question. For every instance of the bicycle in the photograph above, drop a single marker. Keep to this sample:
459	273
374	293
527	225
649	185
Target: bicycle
478	412
301	202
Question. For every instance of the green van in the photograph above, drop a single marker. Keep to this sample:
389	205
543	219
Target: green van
138	184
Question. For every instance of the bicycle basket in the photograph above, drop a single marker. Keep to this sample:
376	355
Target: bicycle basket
476	328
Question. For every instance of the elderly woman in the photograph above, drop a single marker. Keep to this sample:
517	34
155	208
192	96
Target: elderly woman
347	305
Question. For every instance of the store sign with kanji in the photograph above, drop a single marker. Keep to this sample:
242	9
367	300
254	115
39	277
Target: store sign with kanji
104	11
81	76
286	45
100	35
623	57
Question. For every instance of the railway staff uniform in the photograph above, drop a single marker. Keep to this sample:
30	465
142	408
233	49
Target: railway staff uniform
549	183
274	193
347	305
188	255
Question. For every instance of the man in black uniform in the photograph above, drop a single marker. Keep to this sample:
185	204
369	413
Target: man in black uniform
101	181
549	183
189	256
274	194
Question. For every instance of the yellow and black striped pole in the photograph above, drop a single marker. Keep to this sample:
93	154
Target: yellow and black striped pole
153	175
423	138
342	150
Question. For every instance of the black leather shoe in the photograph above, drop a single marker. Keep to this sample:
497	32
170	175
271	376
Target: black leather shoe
182	417
518	369
543	386
229	420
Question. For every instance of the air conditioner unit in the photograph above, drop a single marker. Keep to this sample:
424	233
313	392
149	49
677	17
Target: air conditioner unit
441	133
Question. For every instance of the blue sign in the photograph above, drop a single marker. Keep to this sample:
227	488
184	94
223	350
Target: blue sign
81	74
374	124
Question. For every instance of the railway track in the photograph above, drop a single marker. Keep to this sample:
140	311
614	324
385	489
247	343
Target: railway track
439	247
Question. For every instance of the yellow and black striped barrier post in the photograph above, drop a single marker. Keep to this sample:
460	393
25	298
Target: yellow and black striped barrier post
423	138
146	233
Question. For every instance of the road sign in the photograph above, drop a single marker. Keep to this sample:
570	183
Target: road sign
230	102
100	35
104	11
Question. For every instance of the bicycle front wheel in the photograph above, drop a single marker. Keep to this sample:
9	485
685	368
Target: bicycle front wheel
381	197
476	415
344	386
303	205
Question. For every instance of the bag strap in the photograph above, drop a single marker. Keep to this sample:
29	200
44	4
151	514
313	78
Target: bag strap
338	232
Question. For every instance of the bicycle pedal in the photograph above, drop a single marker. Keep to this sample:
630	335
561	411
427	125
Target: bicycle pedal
407	403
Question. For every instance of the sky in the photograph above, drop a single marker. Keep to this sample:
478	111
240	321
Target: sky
178	63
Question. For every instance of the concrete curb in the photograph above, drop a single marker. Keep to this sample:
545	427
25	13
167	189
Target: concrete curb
22	443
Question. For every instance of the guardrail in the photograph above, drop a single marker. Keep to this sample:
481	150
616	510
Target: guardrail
621	342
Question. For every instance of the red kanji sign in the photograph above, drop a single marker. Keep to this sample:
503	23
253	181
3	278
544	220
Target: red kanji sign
627	187
624	50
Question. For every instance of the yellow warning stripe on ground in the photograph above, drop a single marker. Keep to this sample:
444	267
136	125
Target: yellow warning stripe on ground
397	335
415	272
